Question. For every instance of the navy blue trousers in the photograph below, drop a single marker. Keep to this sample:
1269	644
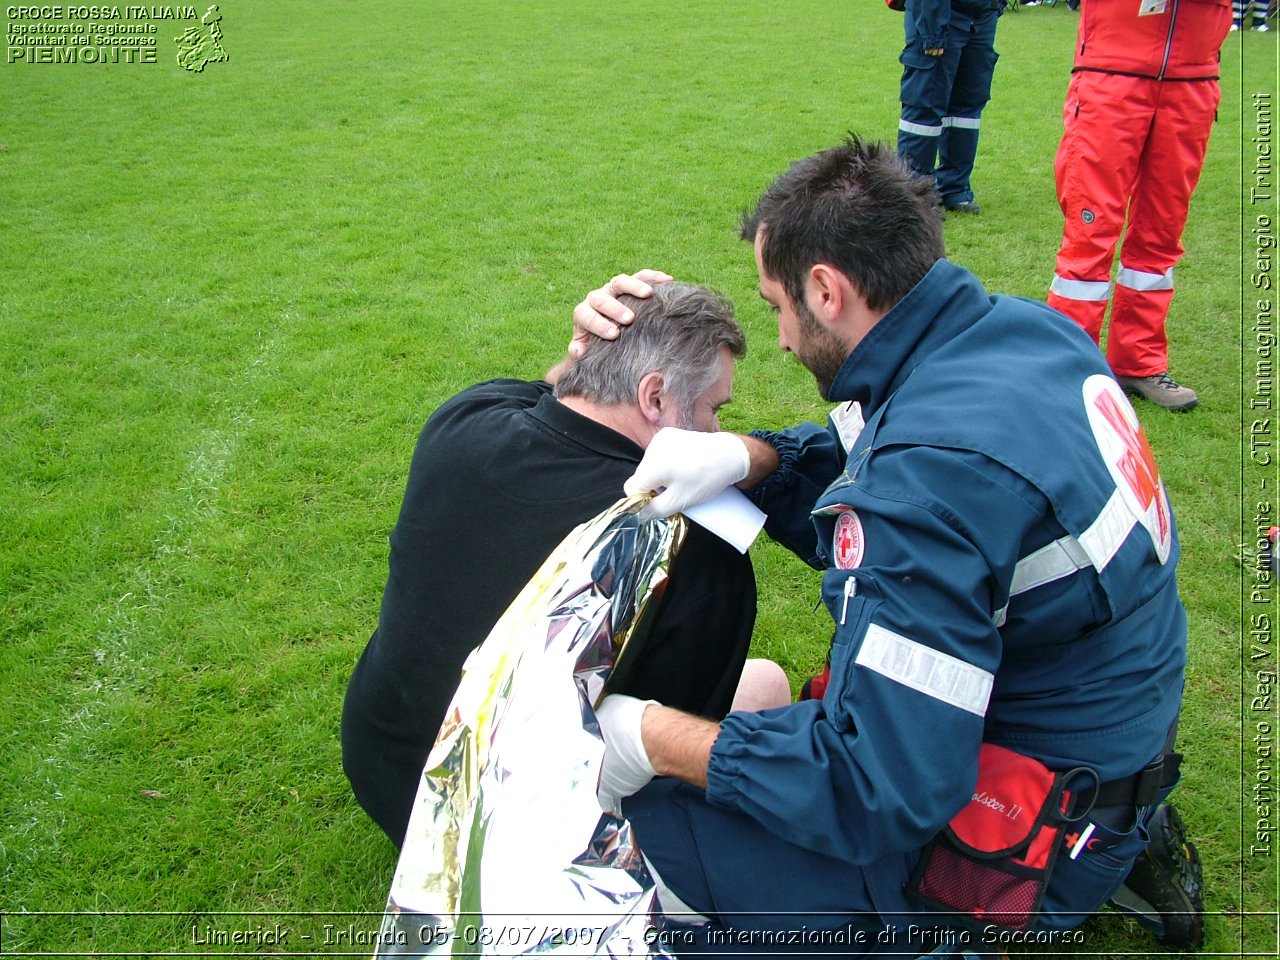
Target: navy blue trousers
766	895
942	100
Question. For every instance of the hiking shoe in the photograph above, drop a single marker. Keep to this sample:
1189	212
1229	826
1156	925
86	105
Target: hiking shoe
1162	390
964	206
1162	891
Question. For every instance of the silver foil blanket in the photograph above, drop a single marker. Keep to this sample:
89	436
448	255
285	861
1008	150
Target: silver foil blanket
507	853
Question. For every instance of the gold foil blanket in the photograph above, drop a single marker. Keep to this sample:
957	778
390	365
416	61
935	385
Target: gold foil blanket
507	853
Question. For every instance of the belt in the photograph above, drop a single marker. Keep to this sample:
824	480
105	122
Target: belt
1143	788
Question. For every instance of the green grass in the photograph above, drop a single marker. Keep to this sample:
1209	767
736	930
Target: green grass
228	300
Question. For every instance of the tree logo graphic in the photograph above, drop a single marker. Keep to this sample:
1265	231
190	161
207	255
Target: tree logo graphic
199	46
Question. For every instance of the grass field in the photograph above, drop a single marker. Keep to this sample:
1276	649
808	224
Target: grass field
228	300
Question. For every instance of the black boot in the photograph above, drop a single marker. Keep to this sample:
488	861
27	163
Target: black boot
1163	889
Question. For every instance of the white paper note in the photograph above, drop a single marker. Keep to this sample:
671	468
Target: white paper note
731	517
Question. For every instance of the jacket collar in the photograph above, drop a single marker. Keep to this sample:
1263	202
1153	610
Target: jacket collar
945	302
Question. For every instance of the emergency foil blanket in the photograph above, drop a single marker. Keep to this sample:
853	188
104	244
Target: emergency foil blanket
507	853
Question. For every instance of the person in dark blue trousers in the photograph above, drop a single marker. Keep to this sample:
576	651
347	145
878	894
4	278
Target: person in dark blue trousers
947	65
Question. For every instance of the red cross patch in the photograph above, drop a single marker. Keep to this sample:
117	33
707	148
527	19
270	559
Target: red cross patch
1128	456
848	544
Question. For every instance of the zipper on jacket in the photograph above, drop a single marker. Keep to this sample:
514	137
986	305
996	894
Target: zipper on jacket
1168	42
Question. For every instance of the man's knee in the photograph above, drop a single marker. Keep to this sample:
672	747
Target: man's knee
763	685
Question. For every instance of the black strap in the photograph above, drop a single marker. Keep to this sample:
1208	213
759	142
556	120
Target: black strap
1144	787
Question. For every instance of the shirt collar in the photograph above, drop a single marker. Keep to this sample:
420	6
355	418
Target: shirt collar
584	431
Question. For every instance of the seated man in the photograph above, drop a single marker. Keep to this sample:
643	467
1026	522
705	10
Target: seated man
502	472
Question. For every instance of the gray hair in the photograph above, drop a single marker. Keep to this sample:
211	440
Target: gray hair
678	331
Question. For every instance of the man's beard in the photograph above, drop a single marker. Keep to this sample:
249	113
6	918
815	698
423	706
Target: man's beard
820	350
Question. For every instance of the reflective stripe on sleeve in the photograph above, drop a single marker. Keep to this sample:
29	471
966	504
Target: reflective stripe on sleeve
1138	280
928	671
1080	289
919	129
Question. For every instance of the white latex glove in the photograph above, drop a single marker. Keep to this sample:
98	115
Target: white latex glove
692	467
626	767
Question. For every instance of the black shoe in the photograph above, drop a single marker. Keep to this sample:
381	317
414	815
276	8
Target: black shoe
964	206
1162	891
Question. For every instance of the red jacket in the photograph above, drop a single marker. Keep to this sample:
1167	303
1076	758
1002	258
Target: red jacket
1177	40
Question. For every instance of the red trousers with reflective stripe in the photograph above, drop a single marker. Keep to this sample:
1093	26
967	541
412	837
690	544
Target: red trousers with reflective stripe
1130	146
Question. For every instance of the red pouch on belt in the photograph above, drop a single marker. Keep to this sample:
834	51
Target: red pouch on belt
992	862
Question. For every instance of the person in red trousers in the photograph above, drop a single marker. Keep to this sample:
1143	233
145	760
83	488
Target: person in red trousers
1142	100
